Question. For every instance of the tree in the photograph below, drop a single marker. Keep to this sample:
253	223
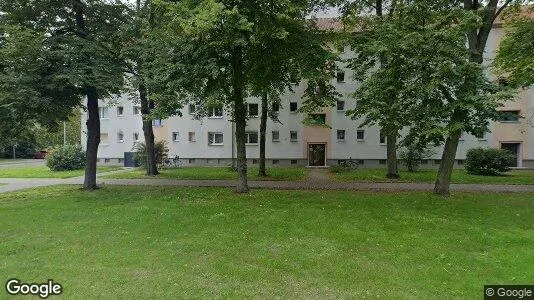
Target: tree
79	35
459	116
219	55
379	46
514	57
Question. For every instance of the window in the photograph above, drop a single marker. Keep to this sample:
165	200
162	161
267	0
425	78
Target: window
382	161
120	111
215	138
360	135
253	110
341	161
462	136
136	110
340	106
340	75
106	160
276	136
461	162
191	160
254	161
341	135
103	111
437	161
192	109
293	136
157	123
215	112
276	161
482	137
509	116
293	161
276	107
424	162
191	136
120	137
136	137
293	106
360	161
251	138
175	136
382	138
318	119
104	139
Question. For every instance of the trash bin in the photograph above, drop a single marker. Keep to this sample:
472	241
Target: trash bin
129	160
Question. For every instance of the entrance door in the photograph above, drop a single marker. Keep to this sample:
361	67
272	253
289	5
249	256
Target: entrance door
316	155
515	148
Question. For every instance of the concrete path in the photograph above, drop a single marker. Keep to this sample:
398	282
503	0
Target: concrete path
21	163
312	184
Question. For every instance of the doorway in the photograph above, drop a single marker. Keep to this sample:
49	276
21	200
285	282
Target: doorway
515	148
317	155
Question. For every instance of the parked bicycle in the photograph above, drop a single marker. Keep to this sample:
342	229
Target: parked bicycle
172	162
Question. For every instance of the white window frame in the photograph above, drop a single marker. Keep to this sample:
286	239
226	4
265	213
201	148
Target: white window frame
363	133
106	141
135	139
257	110
191	109
337	107
272	136
120	114
247	137
337	76
210	143
380	135
191	138
175	136
119	139
213	110
103	112
294	139
344	135
293	111
136	110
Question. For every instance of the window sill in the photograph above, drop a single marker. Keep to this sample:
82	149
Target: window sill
192	141
215	117
252	116
294	141
360	141
482	140
215	144
293	112
120	116
383	144
120	141
276	141
256	144
340	110
341	141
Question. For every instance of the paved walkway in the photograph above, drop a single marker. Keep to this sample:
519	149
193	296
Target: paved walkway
317	181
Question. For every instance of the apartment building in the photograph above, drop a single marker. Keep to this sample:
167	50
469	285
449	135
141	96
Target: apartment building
211	141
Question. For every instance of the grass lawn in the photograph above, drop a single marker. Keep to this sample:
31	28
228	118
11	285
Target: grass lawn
139	242
289	173
458	176
44	172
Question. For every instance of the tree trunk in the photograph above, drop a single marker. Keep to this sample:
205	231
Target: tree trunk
391	141
443	181
151	163
240	119
93	138
263	129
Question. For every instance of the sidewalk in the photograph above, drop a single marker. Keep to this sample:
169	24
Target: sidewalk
317	184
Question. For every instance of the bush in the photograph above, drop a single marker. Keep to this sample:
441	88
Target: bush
162	152
65	158
344	166
412	155
490	162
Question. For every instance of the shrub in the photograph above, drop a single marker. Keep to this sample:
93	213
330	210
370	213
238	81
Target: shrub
162	152
412	155
490	162
344	166
64	158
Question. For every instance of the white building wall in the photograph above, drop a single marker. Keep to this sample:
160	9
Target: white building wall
284	149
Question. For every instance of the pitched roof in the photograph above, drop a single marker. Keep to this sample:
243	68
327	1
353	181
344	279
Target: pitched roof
328	24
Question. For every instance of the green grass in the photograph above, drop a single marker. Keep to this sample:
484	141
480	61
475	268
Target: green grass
217	173
138	242
458	176
45	172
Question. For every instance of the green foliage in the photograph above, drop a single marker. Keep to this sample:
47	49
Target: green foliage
412	154
514	57
160	148
66	158
24	149
488	162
